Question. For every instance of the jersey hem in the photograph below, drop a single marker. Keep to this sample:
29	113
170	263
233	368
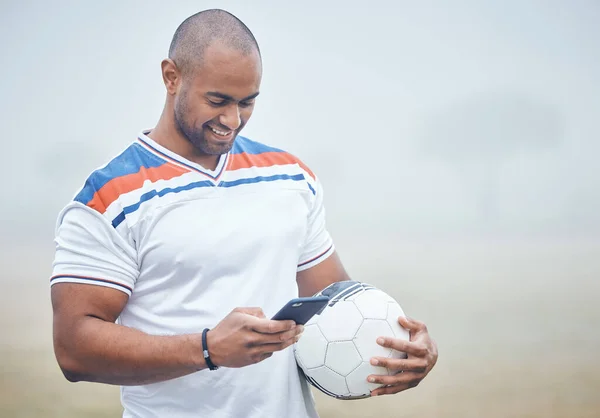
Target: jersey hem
70	278
317	259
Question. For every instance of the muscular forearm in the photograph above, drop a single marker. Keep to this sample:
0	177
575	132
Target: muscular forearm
98	351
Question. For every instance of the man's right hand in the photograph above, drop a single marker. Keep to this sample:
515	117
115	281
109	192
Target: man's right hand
246	336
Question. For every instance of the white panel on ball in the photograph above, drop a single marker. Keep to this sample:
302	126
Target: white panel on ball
311	348
342	357
329	322
357	379
330	380
370	306
366	339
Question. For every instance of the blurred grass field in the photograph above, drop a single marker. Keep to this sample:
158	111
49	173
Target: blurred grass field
516	323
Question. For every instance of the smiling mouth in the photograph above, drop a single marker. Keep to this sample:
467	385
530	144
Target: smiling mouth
223	134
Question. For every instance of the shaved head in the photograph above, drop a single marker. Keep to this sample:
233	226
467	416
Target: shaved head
199	31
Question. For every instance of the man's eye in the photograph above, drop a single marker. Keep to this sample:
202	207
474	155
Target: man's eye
247	103
216	102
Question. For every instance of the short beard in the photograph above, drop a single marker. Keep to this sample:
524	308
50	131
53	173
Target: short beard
195	135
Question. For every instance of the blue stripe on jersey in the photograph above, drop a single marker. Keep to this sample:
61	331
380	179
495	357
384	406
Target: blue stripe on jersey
243	144
128	162
117	221
297	177
153	193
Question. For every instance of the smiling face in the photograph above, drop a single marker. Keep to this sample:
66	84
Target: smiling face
214	101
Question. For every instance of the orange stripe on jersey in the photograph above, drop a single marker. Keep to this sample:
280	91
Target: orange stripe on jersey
265	159
130	182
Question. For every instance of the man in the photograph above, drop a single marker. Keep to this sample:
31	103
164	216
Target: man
195	227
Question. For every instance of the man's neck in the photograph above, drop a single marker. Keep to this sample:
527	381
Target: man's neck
167	135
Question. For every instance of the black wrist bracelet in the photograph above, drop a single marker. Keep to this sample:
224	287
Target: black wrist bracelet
209	362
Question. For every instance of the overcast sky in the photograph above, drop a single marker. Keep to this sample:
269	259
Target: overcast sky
419	117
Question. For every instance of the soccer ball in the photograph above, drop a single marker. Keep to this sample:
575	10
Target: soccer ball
337	344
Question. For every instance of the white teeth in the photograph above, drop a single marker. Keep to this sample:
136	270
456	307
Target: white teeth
221	133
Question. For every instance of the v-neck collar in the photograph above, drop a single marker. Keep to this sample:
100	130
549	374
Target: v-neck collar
168	155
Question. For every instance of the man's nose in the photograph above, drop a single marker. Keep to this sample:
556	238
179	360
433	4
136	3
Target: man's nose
231	117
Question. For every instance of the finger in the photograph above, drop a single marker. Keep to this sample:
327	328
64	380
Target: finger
397	379
257	312
272	347
418	364
390	390
268	326
411	324
280	337
409	347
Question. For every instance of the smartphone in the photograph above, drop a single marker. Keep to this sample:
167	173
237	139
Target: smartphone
300	310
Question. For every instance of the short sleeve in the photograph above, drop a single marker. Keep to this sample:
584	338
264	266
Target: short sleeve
318	244
89	250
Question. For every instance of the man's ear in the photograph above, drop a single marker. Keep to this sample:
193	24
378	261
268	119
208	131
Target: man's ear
171	76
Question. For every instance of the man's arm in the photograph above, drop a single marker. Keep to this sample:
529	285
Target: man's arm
89	346
316	278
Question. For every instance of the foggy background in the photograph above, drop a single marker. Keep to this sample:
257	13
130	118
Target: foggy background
457	144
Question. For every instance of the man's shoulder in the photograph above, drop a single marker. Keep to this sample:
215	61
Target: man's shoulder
248	152
124	172
246	145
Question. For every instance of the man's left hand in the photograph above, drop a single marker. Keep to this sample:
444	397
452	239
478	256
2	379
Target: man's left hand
422	356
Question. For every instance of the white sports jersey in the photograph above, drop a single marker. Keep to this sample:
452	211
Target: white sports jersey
188	245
